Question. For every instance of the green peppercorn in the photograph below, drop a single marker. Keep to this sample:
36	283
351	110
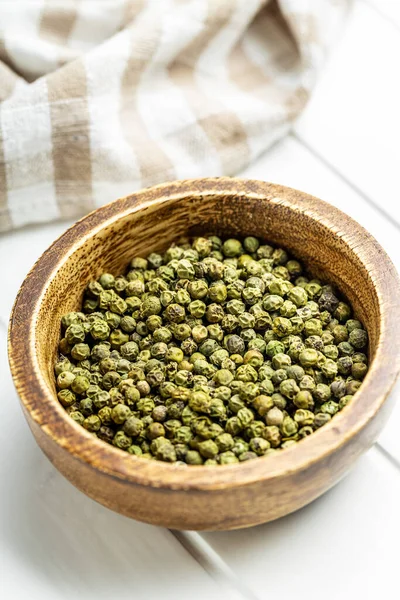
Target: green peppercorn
155	430
344	400
282	326
69	318
308	357
110	379
298	296
245	416
288	427
120	413
279	376
329	368
251	244
266	386
118	338
303	400
359	370
226	458
75	333
193	457
329	407
223	377
133	426
208	449
105	415
214	313
80	351
352	387
321	393
255	429
122	441
289	388
274	416
235	345
279	401
338	388
259	445
273	435
135	450
359	357
175	313
247	456
160	413
65	379
77	416
304	417
358	338
197	308
307	383
190	348
263	404
92	423
66	397
62	365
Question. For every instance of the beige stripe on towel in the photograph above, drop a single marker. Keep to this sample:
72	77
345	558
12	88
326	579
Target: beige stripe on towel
5	220
119	94
70	138
153	162
222	127
57	22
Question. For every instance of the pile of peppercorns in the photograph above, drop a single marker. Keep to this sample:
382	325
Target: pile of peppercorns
212	353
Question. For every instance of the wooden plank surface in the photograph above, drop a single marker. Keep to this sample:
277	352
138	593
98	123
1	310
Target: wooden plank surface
340	546
390	9
353	118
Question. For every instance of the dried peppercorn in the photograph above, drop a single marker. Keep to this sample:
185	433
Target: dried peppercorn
212	353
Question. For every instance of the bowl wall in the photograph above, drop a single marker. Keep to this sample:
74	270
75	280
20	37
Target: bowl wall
328	242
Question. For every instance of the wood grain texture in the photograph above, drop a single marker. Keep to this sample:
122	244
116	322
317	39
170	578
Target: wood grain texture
223	497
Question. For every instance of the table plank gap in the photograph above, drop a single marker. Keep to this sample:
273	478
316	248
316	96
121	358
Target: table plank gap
214	565
346	524
394	460
388	10
352	118
337	171
55	540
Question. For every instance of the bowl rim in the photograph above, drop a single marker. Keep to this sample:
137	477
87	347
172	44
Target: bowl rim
38	399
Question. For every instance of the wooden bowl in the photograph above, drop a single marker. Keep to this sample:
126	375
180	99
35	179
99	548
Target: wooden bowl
331	244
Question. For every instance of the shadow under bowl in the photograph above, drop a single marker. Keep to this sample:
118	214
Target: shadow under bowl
330	244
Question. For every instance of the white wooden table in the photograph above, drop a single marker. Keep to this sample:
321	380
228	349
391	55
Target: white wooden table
55	543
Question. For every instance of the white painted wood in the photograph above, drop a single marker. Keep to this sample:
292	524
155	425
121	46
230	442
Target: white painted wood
388	8
230	582
353	118
340	546
19	250
290	163
389	439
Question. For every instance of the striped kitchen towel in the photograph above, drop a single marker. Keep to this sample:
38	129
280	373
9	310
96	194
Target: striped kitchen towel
99	98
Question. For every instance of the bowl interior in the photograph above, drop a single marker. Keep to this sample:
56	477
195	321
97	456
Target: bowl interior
140	228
